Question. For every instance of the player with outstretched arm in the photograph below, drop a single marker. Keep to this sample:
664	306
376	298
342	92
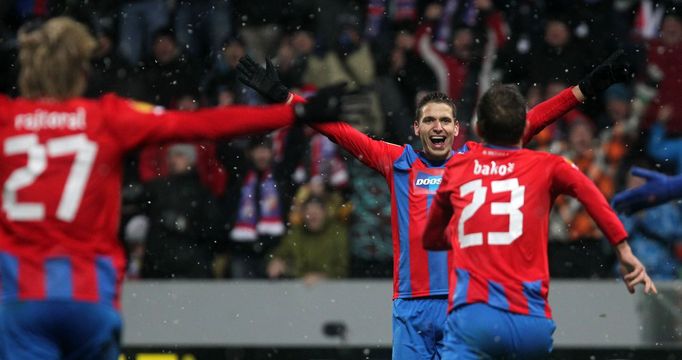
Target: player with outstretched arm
492	209
61	264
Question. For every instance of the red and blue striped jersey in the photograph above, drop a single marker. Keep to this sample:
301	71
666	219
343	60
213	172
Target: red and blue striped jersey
492	210
61	169
413	181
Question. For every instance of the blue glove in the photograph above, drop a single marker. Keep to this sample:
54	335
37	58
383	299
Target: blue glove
659	189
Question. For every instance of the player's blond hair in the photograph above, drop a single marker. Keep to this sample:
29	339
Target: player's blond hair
54	59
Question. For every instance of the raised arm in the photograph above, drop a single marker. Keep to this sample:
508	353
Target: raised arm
435	233
567	179
376	154
611	71
548	111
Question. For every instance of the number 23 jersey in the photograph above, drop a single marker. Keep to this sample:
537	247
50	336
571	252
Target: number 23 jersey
501	200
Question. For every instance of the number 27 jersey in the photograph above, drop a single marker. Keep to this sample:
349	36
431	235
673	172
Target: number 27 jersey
61	169
501	201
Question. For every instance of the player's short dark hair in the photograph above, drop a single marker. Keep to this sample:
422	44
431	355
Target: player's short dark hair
502	115
435	97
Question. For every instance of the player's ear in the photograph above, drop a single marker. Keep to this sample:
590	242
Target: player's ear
456	132
415	127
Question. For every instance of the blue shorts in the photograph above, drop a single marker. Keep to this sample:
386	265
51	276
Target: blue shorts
52	330
418	326
479	331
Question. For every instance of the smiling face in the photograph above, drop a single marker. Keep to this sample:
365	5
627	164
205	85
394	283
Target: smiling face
436	128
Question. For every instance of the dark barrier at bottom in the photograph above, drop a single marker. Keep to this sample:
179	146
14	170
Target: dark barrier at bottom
366	354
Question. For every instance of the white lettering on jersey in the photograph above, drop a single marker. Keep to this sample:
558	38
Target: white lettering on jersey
493	168
428	181
40	120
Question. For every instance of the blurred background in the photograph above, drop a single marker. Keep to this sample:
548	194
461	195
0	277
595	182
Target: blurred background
279	246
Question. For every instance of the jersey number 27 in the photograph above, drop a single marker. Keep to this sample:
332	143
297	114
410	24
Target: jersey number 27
37	154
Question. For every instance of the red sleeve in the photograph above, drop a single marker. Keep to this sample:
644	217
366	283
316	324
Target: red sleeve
546	112
133	123
568	179
378	155
4	106
435	233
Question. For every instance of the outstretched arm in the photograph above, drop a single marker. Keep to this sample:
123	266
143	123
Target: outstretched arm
378	155
611	71
133	123
548	111
569	180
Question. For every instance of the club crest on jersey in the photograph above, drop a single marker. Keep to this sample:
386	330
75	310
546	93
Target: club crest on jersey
493	168
146	108
425	183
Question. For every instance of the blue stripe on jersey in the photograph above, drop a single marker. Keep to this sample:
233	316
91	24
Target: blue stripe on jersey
532	292
106	280
58	278
438	263
460	297
9	271
496	296
401	183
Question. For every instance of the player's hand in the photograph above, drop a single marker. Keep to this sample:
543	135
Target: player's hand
612	70
264	80
332	103
647	195
633	271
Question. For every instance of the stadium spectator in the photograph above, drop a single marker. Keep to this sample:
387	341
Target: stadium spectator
497	195
317	247
201	26
349	60
110	72
169	73
220	85
578	251
61	263
661	147
264	190
184	226
663	54
138	21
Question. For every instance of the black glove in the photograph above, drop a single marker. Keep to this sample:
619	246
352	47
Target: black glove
265	81
325	106
612	70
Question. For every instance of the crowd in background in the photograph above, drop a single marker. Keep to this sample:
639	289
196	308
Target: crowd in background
291	203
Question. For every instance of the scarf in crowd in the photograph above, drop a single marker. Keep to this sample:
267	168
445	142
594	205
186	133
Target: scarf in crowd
259	209
326	162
